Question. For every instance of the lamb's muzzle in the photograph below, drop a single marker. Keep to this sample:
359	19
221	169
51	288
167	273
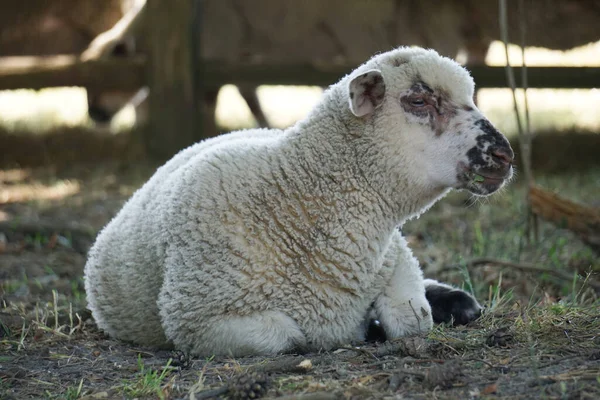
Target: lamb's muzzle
490	161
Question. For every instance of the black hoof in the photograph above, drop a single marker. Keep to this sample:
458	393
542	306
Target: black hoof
375	332
452	305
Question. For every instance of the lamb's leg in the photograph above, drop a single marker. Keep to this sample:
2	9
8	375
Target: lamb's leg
267	333
410	304
402	309
449	304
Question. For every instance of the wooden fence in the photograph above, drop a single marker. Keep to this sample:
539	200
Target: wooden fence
129	74
180	81
177	115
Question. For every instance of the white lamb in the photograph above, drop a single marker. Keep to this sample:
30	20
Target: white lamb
267	241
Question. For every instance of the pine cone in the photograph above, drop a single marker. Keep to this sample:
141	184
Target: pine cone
248	386
180	359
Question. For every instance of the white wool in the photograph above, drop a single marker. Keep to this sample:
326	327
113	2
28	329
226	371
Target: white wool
263	241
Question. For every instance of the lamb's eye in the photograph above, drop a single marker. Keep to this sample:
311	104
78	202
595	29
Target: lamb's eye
417	103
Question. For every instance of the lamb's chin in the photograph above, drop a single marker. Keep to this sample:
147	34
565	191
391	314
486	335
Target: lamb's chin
483	189
482	182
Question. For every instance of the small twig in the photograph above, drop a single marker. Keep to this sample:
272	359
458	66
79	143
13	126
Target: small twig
424	360
404	361
394	383
523	266
450	347
558	361
381	362
359	350
397	371
287	365
409	346
416	316
312	396
489	364
408	372
584	375
207	394
55	308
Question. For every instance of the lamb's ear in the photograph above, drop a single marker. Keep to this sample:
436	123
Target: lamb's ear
366	92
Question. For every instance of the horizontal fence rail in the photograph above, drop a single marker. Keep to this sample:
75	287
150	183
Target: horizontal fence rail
129	74
26	72
484	76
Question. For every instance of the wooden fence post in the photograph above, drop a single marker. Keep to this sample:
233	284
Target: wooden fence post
174	120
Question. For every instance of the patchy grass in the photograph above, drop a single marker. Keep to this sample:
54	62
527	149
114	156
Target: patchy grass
148	381
461	228
515	351
539	336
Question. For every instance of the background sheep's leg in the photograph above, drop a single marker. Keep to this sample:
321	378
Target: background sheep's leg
249	94
123	33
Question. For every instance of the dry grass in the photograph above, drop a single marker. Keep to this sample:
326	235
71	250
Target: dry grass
514	351
538	338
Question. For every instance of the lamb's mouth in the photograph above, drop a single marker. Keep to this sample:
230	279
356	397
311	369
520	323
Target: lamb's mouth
483	182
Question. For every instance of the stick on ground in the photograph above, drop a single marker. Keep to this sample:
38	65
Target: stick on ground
522	266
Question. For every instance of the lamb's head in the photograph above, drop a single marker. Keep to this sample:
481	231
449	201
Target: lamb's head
420	107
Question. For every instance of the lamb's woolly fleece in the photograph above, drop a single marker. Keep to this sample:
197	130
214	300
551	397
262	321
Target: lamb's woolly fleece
263	241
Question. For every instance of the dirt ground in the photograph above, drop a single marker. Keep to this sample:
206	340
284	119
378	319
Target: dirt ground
539	336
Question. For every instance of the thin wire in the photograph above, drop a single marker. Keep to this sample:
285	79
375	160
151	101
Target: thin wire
524	138
510	76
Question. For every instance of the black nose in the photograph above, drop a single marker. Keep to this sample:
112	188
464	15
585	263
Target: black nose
502	155
99	115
